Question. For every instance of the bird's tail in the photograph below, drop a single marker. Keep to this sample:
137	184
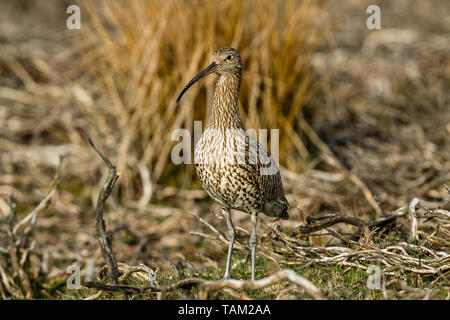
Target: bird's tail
277	208
284	215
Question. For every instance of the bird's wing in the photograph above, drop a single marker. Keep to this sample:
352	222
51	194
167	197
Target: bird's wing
268	179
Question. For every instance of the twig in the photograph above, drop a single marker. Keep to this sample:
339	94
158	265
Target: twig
438	278
105	238
142	290
236	295
284	275
13	253
220	237
378	202
412	216
331	219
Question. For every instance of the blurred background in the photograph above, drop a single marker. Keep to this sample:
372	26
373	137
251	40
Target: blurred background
360	112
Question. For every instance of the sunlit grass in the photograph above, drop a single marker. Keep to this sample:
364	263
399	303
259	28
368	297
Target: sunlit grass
139	54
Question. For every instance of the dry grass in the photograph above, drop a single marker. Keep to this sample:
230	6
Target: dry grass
140	54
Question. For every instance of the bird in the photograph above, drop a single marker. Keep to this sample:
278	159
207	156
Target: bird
235	170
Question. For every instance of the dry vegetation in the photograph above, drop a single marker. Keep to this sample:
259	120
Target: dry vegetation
364	130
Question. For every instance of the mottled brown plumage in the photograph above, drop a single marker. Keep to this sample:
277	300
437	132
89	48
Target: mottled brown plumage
234	169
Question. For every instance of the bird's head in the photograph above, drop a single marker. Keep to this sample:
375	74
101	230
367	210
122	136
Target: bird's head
224	61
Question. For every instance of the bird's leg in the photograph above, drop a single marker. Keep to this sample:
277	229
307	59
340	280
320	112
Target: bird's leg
231	237
253	241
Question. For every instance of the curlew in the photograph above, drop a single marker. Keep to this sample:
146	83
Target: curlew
234	169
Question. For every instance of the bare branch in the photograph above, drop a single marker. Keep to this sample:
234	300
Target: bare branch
284	275
331	219
104	238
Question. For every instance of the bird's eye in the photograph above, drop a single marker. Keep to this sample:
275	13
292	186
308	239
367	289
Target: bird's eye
228	57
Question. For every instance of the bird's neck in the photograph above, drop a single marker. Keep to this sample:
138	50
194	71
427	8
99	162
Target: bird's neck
225	110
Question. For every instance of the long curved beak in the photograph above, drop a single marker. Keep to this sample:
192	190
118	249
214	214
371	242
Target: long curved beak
209	69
